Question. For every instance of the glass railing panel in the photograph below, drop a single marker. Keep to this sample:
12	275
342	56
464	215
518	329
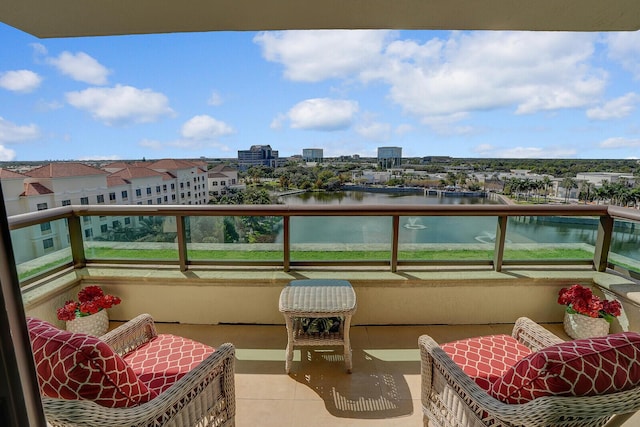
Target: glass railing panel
550	237
40	248
341	238
234	238
130	238
446	238
625	244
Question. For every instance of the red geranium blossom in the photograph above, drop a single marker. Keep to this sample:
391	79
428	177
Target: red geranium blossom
580	299
90	301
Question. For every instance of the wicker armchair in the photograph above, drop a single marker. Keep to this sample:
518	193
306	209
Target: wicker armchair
450	398
204	396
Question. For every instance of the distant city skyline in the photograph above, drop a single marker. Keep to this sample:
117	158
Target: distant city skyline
434	93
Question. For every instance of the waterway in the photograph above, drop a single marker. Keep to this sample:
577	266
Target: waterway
447	229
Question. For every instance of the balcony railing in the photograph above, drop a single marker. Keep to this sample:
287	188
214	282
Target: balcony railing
288	237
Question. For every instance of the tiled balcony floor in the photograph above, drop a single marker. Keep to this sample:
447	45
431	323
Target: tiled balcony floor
383	390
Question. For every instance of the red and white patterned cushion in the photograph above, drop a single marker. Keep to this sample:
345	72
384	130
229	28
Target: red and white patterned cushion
485	359
78	366
165	359
583	367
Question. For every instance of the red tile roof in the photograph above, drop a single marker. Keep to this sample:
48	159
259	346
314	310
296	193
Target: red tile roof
113	181
64	169
136	172
173	164
6	173
35	189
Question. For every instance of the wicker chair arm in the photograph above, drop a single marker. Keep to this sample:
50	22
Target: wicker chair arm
204	396
542	412
131	335
534	336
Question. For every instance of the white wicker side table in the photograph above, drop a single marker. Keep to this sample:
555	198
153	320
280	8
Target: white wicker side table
317	298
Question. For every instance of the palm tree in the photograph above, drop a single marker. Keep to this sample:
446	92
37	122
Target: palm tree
546	182
568	184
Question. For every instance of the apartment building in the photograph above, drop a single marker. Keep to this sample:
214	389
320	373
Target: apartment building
58	184
221	178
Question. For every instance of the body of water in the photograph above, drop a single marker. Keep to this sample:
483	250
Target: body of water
446	229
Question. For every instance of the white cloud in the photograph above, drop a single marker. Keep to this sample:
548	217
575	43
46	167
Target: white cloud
80	67
615	109
624	47
484	149
121	104
312	56
205	127
620	142
375	131
323	114
441	80
6	154
403	129
215	99
101	157
20	81
12	133
278	122
39	48
151	144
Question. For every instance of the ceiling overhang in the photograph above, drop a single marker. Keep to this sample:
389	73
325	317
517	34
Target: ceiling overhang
74	18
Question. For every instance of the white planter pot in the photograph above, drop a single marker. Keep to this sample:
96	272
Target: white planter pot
579	326
95	324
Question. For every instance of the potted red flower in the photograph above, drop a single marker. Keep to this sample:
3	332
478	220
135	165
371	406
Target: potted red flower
88	315
586	315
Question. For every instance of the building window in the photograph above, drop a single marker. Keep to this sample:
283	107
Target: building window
214	182
223	182
45	228
164	187
127	221
188	185
138	193
104	228
182	195
115	224
47	243
181	185
166	199
84	200
188	193
148	191
125	195
88	233
173	197
66	203
149	202
157	189
100	198
159	200
173	186
112	197
42	206
86	219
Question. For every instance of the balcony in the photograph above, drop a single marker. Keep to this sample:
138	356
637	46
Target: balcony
447	289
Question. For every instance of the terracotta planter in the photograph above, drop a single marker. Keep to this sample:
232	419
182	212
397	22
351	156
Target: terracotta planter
95	324
579	326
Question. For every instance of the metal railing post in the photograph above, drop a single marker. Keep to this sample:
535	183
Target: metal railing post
182	242
603	243
76	241
498	253
394	243
286	243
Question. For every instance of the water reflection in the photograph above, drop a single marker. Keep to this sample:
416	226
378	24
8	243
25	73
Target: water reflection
447	229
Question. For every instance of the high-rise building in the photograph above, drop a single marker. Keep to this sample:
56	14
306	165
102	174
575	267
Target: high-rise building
257	155
312	155
389	157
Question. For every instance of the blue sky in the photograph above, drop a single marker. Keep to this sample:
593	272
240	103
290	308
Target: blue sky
460	94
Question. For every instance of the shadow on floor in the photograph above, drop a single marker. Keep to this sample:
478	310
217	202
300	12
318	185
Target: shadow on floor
370	392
